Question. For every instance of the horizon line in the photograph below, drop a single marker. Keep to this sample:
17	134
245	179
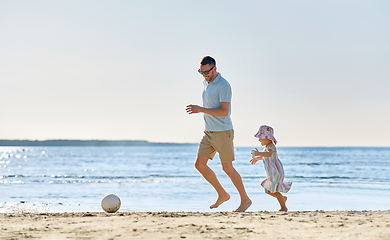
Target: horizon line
100	142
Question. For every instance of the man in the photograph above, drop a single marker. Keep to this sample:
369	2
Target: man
219	134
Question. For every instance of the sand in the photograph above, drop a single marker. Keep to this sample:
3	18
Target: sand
197	225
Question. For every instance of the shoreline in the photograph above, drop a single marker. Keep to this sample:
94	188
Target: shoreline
197	225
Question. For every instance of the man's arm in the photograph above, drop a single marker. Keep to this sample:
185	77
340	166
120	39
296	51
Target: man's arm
222	111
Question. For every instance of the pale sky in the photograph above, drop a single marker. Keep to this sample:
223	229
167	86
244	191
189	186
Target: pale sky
318	72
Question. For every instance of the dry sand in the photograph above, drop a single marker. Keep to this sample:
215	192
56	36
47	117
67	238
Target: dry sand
343	225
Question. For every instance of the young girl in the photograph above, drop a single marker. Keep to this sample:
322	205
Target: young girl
273	184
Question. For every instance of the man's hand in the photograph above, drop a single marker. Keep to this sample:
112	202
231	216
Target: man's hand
222	111
193	109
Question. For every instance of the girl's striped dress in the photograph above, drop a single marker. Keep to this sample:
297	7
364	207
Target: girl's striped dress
274	181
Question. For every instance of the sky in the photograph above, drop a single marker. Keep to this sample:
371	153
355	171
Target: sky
318	72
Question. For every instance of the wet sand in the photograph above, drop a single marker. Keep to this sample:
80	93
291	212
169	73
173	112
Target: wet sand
365	225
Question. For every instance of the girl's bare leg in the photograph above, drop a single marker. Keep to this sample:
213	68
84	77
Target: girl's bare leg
281	199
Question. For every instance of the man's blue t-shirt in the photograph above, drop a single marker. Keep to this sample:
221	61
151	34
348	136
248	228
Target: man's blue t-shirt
214	93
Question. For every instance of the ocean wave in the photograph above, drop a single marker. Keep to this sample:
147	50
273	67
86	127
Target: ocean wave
63	179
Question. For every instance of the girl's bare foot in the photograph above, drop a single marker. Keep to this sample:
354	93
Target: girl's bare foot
220	200
244	206
283	210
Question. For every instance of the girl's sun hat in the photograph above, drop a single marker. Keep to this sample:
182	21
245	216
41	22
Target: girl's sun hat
266	132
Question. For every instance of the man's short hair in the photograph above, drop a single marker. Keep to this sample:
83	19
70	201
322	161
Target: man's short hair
208	60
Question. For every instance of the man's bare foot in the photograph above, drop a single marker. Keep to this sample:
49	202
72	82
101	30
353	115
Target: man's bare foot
244	206
220	200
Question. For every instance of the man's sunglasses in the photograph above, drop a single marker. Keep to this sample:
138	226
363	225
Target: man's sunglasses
205	72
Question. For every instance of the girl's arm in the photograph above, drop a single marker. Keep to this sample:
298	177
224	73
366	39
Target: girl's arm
255	159
256	155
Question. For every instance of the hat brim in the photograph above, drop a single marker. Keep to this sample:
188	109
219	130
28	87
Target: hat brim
263	136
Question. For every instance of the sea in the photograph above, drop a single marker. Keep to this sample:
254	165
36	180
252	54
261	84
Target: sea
163	178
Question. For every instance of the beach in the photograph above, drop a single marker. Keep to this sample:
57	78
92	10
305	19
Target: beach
197	225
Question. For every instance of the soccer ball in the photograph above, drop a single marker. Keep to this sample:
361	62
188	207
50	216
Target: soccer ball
111	203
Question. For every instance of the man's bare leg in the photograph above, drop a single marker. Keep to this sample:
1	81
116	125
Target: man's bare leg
237	181
209	175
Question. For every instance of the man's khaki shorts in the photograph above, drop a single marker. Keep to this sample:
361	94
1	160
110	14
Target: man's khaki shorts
221	142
